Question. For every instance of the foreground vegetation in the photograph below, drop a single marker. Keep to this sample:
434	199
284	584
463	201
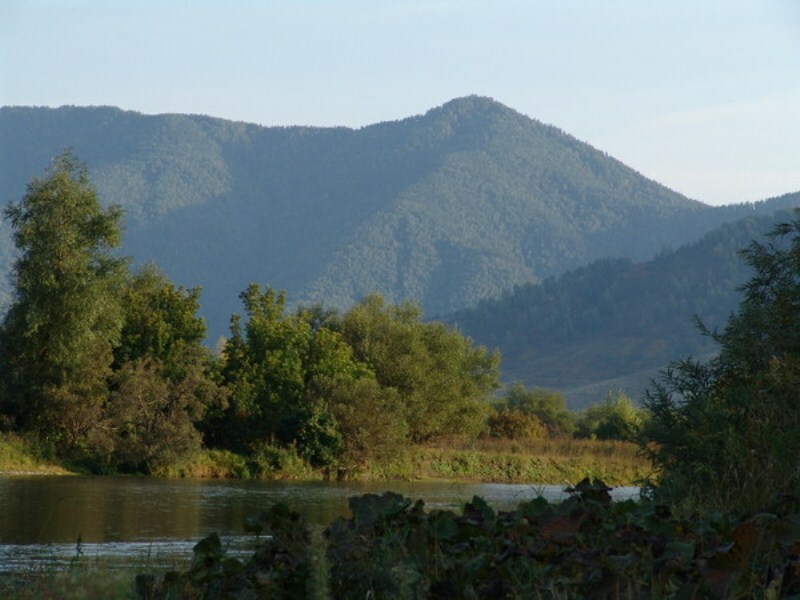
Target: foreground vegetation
392	547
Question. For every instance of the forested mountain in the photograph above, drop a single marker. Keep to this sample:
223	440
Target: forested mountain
616	322
446	208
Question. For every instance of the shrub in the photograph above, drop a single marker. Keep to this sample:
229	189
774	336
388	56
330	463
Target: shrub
549	407
515	424
615	418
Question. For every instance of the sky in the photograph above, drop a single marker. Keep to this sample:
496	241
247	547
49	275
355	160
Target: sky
701	95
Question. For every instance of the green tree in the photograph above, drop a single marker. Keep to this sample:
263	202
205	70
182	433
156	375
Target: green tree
281	370
548	406
615	418
152	418
263	371
371	423
163	383
441	378
161	323
726	434
57	338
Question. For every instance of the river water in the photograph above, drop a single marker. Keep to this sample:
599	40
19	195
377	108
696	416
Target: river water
157	521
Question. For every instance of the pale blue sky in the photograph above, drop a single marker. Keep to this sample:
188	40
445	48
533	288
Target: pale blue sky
700	95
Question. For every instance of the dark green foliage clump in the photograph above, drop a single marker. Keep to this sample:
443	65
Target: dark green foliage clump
584	547
279	568
58	336
104	366
347	390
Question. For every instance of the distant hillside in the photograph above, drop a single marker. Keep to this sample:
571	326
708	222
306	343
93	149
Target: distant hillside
614	323
446	208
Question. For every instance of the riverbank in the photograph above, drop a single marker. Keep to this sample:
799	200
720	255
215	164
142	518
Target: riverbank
20	456
545	461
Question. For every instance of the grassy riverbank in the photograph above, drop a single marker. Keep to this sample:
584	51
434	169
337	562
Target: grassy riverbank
543	462
546	461
20	455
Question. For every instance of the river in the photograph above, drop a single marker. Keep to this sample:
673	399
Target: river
155	521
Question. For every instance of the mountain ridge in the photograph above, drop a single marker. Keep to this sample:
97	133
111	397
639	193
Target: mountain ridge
445	208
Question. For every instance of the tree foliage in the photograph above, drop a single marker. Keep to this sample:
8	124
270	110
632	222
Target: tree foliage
442	379
58	336
547	406
726	434
160	322
163	384
263	369
151	418
615	418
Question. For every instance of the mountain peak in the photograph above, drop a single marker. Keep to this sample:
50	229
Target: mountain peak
471	107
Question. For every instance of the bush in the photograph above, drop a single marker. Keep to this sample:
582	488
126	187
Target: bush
549	407
515	424
615	418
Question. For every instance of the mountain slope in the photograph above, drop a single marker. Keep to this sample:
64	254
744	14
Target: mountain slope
445	208
614	323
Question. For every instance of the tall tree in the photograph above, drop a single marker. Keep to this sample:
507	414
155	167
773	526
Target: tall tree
264	371
163	384
57	339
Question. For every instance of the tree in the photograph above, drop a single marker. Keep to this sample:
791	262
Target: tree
282	371
441	378
163	384
370	419
152	418
161	323
264	372
726	434
615	418
57	338
514	424
549	407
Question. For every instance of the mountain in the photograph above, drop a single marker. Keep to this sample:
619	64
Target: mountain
614	323
445	208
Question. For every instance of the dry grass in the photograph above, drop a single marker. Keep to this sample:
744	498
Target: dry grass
537	461
550	447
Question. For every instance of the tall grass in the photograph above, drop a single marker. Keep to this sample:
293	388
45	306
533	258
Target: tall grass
537	461
546	460
22	455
